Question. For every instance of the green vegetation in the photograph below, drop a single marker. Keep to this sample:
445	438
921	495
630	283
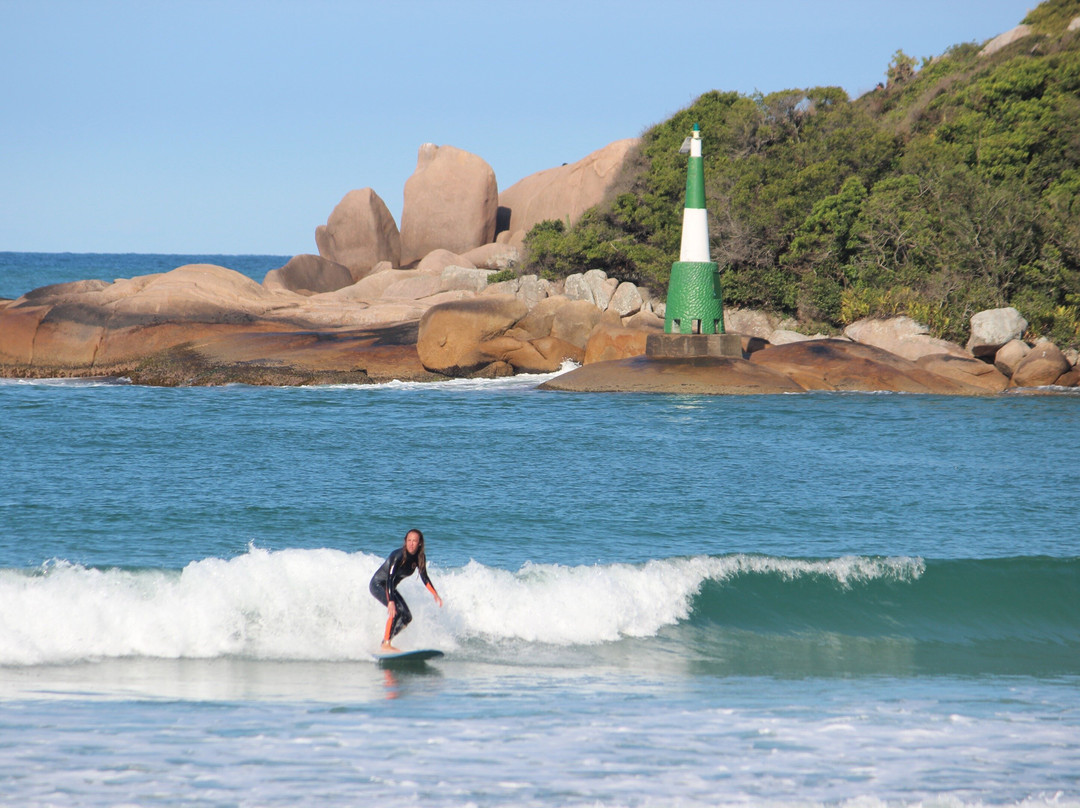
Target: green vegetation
952	188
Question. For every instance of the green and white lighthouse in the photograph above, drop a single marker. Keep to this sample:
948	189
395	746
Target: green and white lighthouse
694	315
694	300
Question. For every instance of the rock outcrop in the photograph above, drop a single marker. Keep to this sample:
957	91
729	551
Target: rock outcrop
460	338
1043	365
903	337
831	364
1009	356
451	201
993	328
563	193
1005	39
701	376
359	234
309	275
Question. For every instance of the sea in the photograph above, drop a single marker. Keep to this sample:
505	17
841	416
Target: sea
857	600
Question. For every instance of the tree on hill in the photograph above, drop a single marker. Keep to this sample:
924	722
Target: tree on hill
952	189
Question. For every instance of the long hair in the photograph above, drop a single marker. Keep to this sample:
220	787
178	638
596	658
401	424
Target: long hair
421	558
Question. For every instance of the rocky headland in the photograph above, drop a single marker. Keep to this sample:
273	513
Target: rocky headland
439	298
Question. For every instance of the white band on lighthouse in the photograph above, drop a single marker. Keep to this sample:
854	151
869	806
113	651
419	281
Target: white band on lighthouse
695	235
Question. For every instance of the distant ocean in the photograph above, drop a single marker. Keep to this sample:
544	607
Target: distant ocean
650	600
20	271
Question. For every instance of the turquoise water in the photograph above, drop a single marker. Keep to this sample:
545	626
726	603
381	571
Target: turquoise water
649	600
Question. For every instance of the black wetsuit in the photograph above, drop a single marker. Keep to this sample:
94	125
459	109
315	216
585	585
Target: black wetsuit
384	583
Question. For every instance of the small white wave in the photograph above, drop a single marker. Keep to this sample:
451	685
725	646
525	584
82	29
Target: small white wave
520	381
89	381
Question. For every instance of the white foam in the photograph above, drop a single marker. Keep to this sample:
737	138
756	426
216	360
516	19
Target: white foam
520	381
90	381
315	604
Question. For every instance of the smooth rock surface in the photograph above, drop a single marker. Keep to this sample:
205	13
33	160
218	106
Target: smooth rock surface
1043	365
450	203
702	376
359	233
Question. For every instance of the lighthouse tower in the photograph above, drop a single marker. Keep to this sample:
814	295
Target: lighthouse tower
694	303
694	316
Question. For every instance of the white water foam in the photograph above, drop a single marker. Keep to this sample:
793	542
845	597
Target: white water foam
89	381
315	604
519	381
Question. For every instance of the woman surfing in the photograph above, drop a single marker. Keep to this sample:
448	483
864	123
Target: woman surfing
401	563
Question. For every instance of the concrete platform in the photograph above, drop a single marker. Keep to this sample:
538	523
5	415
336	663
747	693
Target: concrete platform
686	346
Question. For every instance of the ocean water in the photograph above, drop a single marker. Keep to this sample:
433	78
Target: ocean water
825	599
20	272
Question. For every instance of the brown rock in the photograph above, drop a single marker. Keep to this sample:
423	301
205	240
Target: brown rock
359	233
565	192
608	342
1044	365
309	275
831	364
903	337
438	260
450	203
452	335
968	370
18	326
493	256
537	323
414	288
700	376
375	285
1070	379
574	321
1010	355
556	351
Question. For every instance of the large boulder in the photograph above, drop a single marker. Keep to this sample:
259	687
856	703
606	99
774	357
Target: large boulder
566	192
967	370
574	321
472	280
359	233
1005	39
705	375
1043	365
626	300
494	256
530	289
608	342
993	328
1009	356
832	364
750	322
451	201
902	336
454	337
593	285
309	275
541	317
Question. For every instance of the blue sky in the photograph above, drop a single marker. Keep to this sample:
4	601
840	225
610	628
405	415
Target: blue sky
210	126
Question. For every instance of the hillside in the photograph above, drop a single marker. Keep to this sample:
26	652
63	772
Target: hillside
951	188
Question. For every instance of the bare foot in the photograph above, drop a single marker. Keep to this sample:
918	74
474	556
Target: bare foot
388	647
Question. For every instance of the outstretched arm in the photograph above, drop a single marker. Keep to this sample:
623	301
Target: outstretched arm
431	589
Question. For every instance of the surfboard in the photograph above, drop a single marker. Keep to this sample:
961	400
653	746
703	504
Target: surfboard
408	657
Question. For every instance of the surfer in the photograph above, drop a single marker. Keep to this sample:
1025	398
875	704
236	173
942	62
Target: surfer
401	563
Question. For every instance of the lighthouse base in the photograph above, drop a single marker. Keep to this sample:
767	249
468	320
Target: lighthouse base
685	346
